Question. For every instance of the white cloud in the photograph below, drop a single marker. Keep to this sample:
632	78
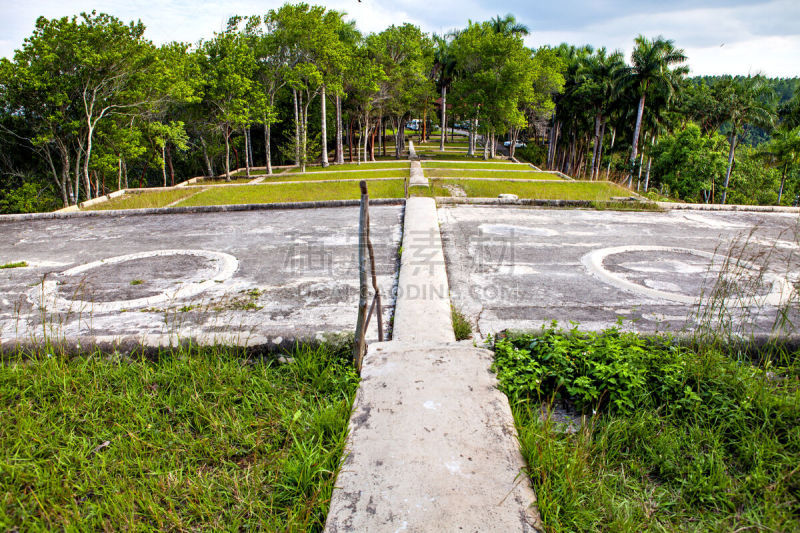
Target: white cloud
758	36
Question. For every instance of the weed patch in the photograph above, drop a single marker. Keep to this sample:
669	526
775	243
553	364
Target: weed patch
18	264
675	438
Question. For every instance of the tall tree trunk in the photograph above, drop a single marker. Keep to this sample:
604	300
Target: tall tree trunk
350	139
249	138
209	166
304	130
613	138
339	147
783	180
636	130
227	154
444	118
296	129
649	162
372	144
247	152
731	156
324	128
125	173
78	176
144	171
164	163
170	165
596	168
119	173
596	142
267	144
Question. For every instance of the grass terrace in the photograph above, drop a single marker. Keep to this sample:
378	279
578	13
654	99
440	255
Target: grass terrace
557	190
673	439
435	155
351	175
396	163
189	439
476	164
235	178
143	200
494	174
294	192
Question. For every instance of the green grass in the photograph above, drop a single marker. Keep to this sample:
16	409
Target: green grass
496	174
675	439
17	264
448	144
194	439
402	163
235	178
348	175
295	192
450	156
143	200
461	326
557	190
476	164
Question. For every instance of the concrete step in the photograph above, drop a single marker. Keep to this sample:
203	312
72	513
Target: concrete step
432	447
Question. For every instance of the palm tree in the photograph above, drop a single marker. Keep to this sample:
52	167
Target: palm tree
444	65
600	76
743	101
652	68
508	25
783	151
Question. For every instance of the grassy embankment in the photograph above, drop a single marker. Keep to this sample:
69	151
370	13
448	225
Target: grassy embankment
193	439
143	200
557	190
493	174
294	192
673	439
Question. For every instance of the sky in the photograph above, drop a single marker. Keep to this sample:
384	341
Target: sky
719	37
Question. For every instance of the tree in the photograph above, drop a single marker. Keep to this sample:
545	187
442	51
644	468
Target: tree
783	151
405	55
655	65
228	65
744	101
600	75
444	66
688	163
74	74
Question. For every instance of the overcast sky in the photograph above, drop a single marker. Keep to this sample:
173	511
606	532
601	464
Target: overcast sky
736	37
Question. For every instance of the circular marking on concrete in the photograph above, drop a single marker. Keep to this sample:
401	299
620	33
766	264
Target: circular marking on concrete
225	265
780	290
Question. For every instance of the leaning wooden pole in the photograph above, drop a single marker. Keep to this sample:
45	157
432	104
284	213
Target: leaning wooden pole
359	346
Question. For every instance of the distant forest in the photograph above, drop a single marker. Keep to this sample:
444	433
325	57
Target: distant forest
89	105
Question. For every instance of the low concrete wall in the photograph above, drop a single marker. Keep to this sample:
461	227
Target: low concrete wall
196	209
725	207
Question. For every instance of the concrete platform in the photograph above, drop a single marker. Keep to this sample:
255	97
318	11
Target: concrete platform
432	447
249	277
423	295
520	268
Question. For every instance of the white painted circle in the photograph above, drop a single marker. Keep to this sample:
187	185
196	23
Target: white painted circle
226	265
781	290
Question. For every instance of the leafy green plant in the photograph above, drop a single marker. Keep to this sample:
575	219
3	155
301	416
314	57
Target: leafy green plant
677	438
461	326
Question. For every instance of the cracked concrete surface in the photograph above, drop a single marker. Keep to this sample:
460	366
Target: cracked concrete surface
521	268
249	277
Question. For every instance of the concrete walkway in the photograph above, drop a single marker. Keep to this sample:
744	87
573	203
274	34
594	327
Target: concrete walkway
417	175
432	443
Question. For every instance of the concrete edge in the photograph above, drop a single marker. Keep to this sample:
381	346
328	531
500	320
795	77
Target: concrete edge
111	213
726	207
153	343
444	200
